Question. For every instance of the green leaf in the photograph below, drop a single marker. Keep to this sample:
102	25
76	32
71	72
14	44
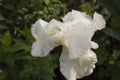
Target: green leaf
116	21
46	2
26	32
112	5
6	39
20	45
112	33
116	77
39	68
1	17
2	27
102	54
2	75
27	71
116	54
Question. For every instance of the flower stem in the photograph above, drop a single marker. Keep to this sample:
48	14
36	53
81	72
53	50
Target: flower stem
72	75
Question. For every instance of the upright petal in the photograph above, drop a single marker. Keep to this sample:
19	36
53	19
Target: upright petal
38	28
77	16
81	16
68	17
98	21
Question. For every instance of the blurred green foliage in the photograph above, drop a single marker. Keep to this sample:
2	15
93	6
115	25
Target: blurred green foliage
16	18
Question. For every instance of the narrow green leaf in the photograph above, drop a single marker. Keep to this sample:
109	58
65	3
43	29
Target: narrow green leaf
6	39
112	5
110	32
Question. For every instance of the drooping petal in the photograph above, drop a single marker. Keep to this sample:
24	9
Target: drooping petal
77	40
77	68
44	43
76	47
98	21
66	65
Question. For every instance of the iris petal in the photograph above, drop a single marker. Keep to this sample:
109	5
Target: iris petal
77	68
98	21
44	43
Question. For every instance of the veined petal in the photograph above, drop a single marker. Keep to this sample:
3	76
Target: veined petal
77	68
77	40
76	47
98	21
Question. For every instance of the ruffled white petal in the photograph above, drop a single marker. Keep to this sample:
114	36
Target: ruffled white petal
86	63
98	21
77	16
77	68
81	16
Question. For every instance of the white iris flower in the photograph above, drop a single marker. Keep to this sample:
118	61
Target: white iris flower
74	33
